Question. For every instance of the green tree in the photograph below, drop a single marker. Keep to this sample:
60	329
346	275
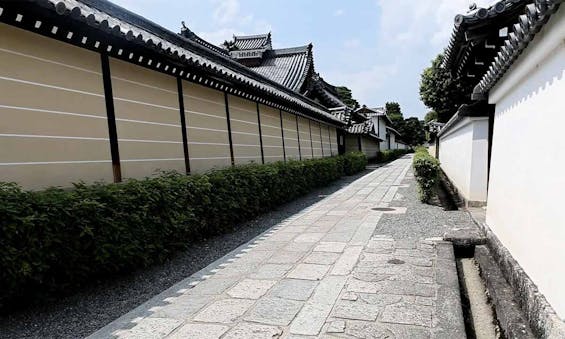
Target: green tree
346	96
394	113
442	92
412	131
431	115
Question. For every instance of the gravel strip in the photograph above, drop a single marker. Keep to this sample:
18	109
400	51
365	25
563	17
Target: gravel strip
93	307
421	220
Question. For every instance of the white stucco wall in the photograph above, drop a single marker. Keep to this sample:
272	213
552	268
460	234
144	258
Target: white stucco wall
382	132
527	182
463	154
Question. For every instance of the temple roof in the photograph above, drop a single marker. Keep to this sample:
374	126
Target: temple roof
478	35
289	66
259	41
366	127
524	29
486	41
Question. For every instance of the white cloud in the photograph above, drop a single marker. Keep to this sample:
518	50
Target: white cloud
409	21
339	12
229	19
364	83
228	11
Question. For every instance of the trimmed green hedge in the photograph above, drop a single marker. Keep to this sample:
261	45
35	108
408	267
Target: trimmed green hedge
354	162
426	171
55	239
393	154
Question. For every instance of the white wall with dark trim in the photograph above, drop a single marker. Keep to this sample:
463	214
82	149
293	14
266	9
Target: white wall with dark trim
527	180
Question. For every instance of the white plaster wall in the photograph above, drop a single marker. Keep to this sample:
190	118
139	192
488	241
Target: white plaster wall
463	154
527	182
382	133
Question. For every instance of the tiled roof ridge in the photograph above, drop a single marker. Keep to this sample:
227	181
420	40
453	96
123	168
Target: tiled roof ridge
292	50
252	36
522	33
187	33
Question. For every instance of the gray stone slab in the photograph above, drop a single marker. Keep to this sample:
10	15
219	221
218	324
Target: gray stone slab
271	271
468	236
448	317
250	288
357	310
298	247
150	328
380	299
338	237
367	330
281	236
286	257
274	311
309	237
333	247
347	261
328	290
360	286
224	311
253	331
406	288
412	332
407	313
294	289
180	307
308	271
311	319
200	331
213	286
321	258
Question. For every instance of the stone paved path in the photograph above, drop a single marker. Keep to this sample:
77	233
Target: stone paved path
322	273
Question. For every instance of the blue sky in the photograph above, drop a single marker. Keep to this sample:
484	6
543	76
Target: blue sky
378	48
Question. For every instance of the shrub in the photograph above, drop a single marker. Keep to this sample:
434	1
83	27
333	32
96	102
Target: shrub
390	155
426	171
354	162
55	239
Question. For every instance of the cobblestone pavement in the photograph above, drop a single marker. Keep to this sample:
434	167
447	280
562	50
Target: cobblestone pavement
322	273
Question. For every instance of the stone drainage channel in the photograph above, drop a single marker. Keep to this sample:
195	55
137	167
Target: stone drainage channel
478	312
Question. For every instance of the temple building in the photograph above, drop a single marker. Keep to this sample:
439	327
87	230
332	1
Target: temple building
291	67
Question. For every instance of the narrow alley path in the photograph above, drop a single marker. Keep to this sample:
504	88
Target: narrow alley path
365	262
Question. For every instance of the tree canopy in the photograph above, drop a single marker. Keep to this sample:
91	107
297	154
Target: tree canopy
442	92
346	96
394	113
431	115
412	131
